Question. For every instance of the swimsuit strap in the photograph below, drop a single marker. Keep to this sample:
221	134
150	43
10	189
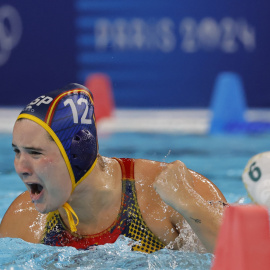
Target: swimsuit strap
136	228
127	168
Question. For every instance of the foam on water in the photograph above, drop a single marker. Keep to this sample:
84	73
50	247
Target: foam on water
17	254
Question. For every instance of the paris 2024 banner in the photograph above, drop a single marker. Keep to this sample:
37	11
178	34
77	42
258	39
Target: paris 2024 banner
158	54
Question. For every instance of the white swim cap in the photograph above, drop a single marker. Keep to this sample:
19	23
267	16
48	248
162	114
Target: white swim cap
256	177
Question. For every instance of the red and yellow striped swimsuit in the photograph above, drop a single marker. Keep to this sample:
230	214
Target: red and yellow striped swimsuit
128	223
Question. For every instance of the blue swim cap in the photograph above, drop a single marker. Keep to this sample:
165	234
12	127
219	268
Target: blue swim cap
67	114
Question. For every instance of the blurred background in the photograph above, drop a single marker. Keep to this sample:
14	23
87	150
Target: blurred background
157	53
168	67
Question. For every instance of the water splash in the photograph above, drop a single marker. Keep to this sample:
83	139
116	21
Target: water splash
187	241
169	152
18	254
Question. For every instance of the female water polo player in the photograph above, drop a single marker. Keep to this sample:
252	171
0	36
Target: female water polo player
75	197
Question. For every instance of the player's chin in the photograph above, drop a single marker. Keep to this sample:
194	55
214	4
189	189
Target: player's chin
43	208
48	204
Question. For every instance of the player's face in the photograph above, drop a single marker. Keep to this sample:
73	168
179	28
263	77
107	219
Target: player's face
40	165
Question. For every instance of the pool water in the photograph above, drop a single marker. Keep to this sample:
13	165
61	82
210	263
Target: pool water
220	158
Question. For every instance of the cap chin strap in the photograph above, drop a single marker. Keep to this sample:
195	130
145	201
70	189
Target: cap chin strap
70	213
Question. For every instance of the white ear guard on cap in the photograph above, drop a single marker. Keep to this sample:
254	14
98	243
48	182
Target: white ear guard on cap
256	177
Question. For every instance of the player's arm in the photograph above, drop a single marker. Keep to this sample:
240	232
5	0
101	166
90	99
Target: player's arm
195	197
22	220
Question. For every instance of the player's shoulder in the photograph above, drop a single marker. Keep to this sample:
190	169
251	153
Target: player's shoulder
156	167
22	220
148	168
21	204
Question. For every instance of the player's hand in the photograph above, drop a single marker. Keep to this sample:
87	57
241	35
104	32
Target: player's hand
175	186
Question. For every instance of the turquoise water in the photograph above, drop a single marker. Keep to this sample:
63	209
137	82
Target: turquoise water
220	158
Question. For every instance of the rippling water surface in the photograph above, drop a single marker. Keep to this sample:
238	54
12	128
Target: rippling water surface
17	254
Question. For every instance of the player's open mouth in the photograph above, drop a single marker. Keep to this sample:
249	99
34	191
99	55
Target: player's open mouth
35	191
35	188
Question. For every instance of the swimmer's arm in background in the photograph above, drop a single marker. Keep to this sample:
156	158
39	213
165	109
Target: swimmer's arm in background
195	197
22	220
